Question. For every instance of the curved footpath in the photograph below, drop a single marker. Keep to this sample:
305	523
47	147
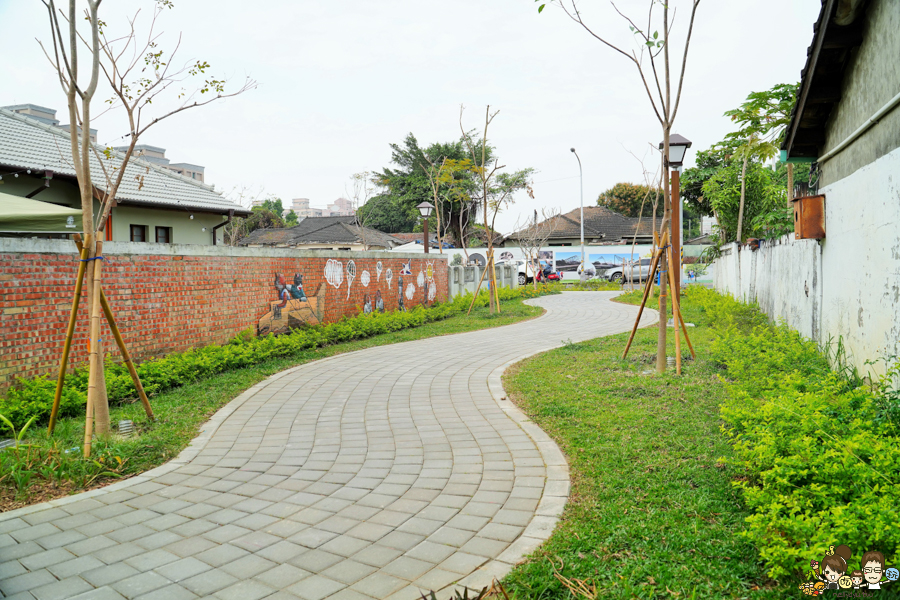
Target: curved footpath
372	474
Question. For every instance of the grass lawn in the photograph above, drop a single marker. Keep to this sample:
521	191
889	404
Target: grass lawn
50	472
652	512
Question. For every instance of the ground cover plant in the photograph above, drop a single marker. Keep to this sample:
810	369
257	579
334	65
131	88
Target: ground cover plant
724	483
189	387
652	511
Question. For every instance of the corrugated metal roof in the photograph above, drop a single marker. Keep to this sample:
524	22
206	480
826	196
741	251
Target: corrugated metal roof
28	144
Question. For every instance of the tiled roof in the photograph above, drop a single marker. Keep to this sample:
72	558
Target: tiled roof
321	230
600	224
28	144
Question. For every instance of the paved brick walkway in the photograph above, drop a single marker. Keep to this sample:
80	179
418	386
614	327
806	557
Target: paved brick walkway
367	475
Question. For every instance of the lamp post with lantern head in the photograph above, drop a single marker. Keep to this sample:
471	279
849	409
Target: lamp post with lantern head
425	209
678	145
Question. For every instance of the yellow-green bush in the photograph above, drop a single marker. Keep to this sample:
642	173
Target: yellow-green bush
817	449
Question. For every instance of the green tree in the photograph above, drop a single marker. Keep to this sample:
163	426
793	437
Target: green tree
407	183
389	214
271	204
759	186
763	119
291	219
627	198
708	163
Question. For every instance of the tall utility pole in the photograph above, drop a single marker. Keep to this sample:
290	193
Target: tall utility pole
581	178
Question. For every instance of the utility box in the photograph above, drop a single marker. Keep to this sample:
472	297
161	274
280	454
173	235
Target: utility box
809	217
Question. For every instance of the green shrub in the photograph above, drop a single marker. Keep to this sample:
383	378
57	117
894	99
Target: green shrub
30	397
819	464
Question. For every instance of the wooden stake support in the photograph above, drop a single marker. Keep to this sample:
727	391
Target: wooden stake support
125	355
676	308
70	333
675	319
654	264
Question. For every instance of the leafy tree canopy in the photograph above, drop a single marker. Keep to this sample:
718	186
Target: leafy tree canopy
765	195
406	184
271	204
291	219
626	198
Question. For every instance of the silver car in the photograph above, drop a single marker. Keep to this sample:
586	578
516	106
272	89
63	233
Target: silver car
639	271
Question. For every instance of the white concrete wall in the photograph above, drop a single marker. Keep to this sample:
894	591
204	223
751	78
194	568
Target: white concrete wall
846	286
465	279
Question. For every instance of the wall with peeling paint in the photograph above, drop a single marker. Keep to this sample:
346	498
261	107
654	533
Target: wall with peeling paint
846	286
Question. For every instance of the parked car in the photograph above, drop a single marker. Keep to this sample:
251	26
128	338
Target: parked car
623	272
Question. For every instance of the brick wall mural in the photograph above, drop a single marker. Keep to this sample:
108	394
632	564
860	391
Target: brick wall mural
171	302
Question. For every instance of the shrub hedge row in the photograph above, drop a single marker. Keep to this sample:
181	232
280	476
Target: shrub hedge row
817	444
29	397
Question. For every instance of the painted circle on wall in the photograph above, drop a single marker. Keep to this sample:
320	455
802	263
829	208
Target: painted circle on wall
365	278
478	259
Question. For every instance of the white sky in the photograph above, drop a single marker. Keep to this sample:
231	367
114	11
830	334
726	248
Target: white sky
339	81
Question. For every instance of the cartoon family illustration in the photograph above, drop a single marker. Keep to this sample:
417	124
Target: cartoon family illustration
834	573
293	308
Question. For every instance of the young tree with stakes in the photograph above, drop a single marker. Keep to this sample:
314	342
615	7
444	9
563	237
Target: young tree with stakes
494	191
138	73
658	84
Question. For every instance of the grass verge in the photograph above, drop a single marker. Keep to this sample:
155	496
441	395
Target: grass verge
652	512
52	467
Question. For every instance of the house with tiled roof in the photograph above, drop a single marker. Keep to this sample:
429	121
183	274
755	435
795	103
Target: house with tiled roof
153	204
602	226
329	233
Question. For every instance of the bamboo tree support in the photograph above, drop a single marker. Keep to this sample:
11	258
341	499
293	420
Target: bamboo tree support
675	311
676	306
120	342
70	333
107	310
495	289
654	264
477	289
95	364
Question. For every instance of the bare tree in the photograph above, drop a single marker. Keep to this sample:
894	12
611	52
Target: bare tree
434	172
246	197
496	190
652	62
362	188
532	235
138	73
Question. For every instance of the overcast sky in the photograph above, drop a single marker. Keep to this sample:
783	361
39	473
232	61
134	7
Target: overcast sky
340	81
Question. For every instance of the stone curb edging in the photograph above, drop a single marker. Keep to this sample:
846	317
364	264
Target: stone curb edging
556	489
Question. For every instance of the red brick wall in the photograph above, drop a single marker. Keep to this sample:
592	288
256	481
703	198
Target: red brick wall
166	303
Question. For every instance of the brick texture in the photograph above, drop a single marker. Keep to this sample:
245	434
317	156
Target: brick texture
167	304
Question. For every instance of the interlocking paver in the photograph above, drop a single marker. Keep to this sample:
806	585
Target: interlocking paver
369	475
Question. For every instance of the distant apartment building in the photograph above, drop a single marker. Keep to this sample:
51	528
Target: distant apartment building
157	156
44	115
339	208
301	208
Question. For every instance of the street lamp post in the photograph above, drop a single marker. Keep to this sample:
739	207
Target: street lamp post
581	178
678	145
425	209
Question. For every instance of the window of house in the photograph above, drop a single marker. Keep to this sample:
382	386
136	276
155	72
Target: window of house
138	233
163	235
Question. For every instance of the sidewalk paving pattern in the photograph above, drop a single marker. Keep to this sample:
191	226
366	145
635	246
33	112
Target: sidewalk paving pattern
372	474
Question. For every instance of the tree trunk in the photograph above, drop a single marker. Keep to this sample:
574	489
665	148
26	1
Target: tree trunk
663	265
740	226
790	184
96	393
